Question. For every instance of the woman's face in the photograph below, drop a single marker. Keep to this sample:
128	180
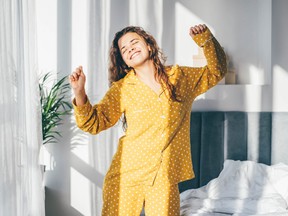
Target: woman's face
134	49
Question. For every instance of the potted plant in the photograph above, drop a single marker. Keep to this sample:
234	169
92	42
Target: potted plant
54	106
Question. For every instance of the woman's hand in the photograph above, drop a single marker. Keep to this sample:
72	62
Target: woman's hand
77	81
197	29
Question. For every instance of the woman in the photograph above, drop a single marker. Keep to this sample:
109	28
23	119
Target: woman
156	100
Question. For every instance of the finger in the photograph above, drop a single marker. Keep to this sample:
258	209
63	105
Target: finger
71	79
191	32
82	74
78	71
194	30
204	26
197	28
201	27
75	76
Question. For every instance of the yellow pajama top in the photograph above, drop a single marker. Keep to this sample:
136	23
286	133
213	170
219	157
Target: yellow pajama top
157	139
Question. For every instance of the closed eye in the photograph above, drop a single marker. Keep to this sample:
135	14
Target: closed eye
132	42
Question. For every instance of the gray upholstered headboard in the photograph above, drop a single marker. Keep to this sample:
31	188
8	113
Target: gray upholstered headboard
217	136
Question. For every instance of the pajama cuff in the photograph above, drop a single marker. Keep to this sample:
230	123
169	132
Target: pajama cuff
203	38
82	110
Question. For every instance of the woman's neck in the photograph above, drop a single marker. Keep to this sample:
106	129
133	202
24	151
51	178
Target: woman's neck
146	72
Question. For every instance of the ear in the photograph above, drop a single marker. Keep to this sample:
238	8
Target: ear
149	49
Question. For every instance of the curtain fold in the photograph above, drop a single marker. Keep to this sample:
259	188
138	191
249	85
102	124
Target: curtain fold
21	190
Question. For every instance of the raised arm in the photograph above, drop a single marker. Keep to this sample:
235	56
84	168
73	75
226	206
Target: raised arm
94	119
203	78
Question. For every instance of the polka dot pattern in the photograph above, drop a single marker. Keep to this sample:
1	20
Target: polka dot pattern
157	140
160	199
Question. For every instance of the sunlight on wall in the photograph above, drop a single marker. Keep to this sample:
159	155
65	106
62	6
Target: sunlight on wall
79	142
253	136
184	20
79	56
79	33
253	98
256	75
280	82
46	158
80	187
80	192
47	35
200	97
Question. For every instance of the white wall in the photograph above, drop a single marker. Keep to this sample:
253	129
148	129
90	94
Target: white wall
253	33
243	28
269	96
279	56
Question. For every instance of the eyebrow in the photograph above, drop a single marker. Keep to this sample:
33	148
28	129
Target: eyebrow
129	42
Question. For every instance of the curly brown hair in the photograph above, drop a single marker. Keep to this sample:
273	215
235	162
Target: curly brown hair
118	68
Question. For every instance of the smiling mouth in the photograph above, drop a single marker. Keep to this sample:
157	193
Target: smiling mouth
134	54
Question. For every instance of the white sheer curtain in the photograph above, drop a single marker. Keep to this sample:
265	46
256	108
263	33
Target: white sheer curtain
21	190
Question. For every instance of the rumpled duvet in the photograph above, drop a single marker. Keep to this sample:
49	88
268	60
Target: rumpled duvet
242	188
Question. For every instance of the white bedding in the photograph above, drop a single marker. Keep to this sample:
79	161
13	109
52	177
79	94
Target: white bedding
242	188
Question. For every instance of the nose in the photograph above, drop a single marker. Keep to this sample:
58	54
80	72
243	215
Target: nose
131	48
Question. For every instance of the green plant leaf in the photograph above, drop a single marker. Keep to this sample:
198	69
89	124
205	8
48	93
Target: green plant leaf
54	105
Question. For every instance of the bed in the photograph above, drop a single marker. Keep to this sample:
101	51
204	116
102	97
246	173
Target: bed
241	165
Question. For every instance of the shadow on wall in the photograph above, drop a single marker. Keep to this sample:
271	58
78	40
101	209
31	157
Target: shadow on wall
279	55
69	176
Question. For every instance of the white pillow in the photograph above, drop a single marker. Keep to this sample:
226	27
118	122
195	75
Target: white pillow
241	179
279	179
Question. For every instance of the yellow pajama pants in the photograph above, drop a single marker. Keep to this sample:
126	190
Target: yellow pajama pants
161	199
